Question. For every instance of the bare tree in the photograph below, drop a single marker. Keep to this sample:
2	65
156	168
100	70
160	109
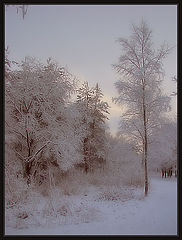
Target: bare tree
141	73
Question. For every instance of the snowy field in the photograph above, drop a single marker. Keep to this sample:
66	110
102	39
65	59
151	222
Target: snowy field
95	213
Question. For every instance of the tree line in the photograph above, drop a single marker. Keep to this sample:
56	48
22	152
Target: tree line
45	127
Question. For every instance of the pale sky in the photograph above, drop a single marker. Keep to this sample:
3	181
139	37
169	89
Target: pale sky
83	38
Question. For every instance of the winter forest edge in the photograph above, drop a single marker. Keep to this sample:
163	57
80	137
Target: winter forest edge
58	145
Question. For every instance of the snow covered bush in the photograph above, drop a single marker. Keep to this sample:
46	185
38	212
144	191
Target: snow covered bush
115	194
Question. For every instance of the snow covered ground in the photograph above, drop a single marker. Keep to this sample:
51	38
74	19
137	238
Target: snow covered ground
124	213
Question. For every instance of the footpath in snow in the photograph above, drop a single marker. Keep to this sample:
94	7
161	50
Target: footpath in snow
153	215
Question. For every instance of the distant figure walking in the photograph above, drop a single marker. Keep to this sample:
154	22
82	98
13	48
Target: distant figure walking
168	172
175	171
162	173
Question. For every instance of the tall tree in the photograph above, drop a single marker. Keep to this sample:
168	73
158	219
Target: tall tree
36	99
93	111
98	126
141	73
84	103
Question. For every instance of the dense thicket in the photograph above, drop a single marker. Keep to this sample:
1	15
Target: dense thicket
47	133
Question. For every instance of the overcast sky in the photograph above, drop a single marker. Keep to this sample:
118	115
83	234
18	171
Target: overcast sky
83	38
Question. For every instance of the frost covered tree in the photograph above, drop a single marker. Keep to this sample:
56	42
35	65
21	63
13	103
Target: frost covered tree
98	126
141	72
84	102
37	121
93	111
163	149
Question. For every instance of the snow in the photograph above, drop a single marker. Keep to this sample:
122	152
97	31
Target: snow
130	213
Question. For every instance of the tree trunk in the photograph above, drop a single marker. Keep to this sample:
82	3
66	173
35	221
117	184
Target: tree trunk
145	169
85	150
145	152
143	155
28	165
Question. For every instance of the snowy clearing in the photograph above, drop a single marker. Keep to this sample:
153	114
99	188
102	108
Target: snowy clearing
129	214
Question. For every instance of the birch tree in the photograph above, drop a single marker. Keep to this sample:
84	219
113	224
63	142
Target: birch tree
140	68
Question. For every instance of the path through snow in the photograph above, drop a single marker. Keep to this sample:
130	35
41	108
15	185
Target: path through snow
153	215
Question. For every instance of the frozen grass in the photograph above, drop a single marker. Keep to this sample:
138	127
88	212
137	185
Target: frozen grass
100	210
